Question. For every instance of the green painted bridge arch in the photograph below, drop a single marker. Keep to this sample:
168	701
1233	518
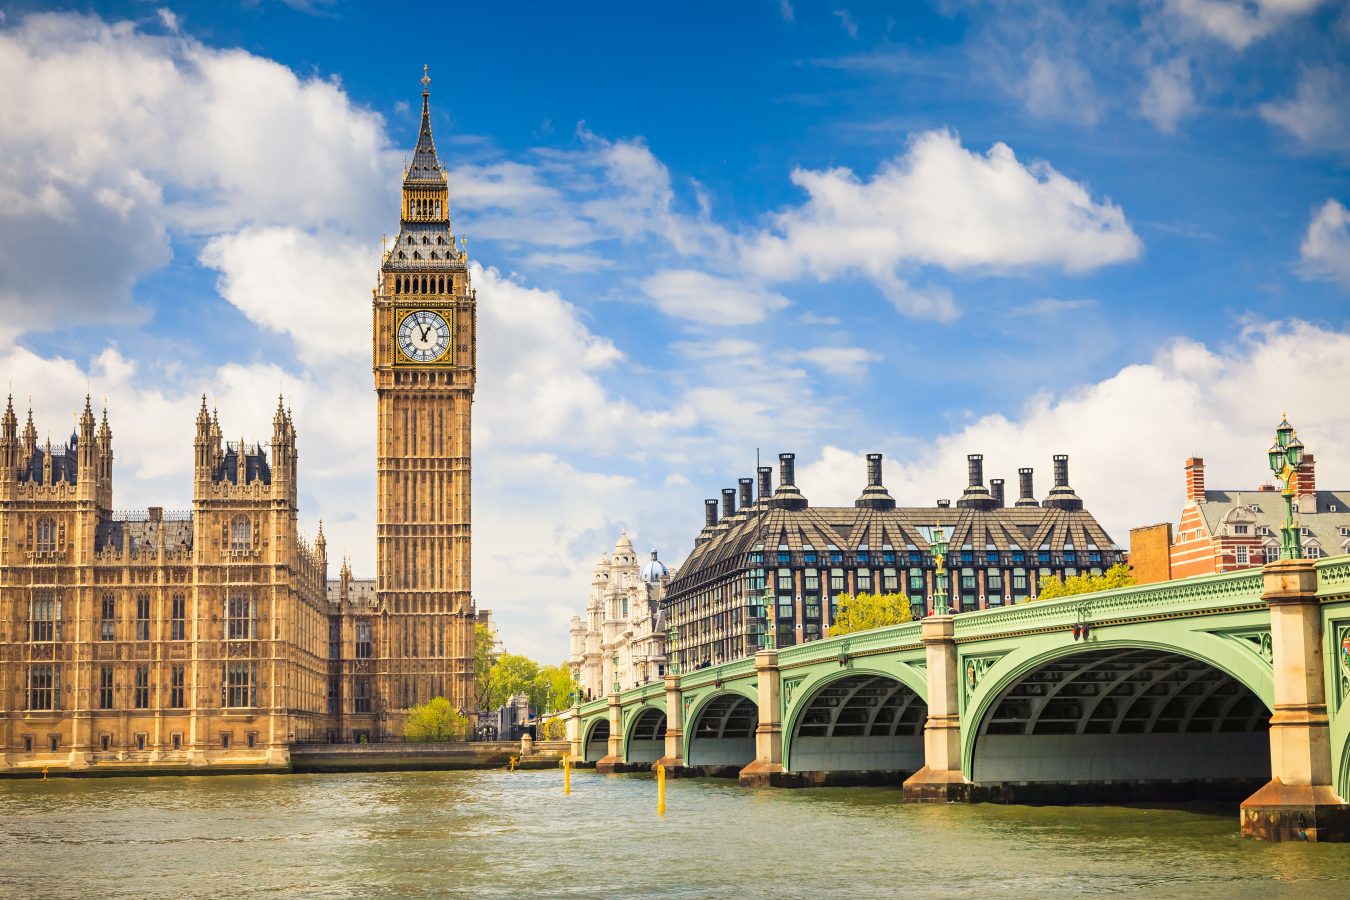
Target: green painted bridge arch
1220	682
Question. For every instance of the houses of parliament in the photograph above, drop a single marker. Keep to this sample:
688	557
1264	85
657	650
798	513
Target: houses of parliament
213	637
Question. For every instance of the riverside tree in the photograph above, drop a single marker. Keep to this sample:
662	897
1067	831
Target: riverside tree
1115	577
862	612
435	721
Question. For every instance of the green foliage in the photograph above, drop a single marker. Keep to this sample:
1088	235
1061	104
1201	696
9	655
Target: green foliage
435	721
1114	577
867	611
483	642
551	686
511	674
554	729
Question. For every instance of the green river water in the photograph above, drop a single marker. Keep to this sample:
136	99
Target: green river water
500	834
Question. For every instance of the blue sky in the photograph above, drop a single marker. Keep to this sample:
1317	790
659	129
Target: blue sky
924	229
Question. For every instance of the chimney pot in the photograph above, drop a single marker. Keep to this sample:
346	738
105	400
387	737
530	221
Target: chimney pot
874	469
944	504
1195	479
996	490
1026	493
728	502
765	482
1061	461
975	469
709	513
747	491
787	469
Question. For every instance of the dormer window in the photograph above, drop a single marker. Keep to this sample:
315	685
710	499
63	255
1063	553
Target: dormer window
410	239
402	255
416	255
1239	529
440	241
425	239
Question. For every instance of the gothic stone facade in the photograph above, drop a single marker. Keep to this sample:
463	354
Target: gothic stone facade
156	639
768	572
424	346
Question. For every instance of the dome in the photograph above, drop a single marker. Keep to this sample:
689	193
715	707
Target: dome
654	570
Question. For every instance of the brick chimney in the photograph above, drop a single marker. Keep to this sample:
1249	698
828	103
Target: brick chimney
1305	484
1195	479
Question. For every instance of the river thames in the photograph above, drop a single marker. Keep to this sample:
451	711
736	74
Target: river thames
500	834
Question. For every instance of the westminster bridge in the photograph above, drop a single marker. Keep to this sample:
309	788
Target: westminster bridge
1220	687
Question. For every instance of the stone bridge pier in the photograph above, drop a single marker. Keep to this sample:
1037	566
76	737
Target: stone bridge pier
1299	802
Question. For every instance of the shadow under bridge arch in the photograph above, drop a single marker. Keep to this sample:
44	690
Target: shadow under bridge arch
1142	722
596	746
647	736
723	733
858	727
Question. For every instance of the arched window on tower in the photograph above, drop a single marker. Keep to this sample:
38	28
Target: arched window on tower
241	534
402	255
440	241
425	240
416	255
46	535
410	239
398	284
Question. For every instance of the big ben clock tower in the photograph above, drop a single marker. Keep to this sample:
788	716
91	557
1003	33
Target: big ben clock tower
424	347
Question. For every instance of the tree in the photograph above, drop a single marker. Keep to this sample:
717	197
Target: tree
554	729
551	688
511	674
866	611
483	643
1115	577
435	721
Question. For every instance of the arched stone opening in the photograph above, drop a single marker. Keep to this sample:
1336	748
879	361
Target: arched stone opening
859	727
597	742
1122	723
723	734
647	739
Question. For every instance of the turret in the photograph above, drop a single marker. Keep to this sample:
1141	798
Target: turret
105	462
87	446
9	441
321	548
29	445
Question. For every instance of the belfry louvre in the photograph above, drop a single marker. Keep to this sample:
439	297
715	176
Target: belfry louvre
766	570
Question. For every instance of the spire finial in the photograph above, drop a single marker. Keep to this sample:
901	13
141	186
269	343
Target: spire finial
426	80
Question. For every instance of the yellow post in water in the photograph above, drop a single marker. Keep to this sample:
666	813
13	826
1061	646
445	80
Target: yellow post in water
44	773
511	764
567	775
660	790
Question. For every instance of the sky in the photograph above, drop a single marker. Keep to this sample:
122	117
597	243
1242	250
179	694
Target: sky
701	232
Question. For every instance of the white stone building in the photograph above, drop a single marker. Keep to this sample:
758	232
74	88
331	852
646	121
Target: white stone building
623	621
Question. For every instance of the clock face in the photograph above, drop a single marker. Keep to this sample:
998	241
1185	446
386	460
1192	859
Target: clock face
423	336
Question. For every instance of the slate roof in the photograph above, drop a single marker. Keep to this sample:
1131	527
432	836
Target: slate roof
903	529
1329	525
135	533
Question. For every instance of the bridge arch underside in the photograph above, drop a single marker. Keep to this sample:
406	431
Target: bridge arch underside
597	742
860	727
723	735
647	737
1131	723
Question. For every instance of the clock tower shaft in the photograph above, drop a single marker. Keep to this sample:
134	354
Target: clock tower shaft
424	454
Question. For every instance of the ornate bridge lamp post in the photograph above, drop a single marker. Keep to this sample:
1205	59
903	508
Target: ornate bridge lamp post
615	660
1286	455
939	546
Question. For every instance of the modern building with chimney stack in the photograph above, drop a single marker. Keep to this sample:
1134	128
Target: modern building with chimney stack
806	556
1226	530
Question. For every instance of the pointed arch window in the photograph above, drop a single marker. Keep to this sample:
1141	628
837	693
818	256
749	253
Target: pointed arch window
241	534
425	239
410	239
416	255
46	535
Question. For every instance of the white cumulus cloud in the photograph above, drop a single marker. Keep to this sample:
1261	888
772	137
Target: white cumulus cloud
1325	251
941	205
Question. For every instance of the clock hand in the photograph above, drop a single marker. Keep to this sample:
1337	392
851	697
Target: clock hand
426	332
